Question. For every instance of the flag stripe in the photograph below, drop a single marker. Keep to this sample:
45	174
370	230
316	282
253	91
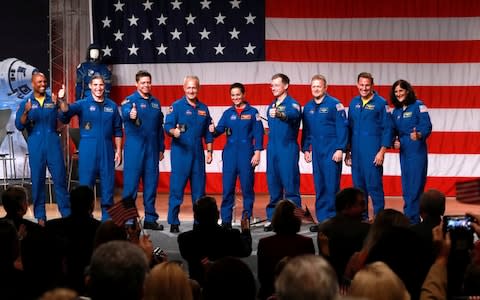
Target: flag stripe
440	165
373	29
374	51
460	74
260	94
438	142
371	8
392	184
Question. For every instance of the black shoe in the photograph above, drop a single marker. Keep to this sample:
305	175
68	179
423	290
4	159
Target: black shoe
314	228
174	228
268	228
227	226
152	226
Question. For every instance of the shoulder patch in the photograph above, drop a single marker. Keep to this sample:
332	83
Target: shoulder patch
339	106
388	109
423	108
170	110
296	106
125	101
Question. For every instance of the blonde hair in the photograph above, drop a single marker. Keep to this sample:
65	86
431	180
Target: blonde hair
319	77
366	282
191	77
167	281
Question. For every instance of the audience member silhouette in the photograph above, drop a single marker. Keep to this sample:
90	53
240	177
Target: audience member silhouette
346	231
229	278
208	241
285	242
74	236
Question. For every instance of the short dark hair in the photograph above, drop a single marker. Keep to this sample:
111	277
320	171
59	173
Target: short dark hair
205	210
347	198
82	199
229	278
284	220
13	198
238	85
284	78
410	98
432	203
142	73
117	271
97	76
365	75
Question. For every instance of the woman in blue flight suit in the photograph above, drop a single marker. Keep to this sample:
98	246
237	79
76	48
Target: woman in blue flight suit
241	154
412	127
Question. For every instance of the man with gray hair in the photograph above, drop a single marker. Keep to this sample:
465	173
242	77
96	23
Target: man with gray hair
117	271
307	277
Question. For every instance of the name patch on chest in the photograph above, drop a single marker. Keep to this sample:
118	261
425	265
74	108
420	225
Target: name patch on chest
370	106
407	114
246	117
202	113
108	109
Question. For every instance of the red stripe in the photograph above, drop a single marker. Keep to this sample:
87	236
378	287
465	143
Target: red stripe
370	8
454	142
392	184
258	94
373	51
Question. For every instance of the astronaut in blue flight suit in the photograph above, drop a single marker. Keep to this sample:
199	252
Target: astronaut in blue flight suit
324	139
99	122
243	127
283	174
187	122
370	133
38	114
144	146
412	127
85	71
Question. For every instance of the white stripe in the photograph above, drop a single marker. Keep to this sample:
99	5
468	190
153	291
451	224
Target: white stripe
373	29
461	74
443	120
439	165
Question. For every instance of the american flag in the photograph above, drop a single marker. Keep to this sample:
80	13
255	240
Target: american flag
434	44
123	211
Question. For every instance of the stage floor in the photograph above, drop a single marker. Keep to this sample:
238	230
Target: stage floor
453	207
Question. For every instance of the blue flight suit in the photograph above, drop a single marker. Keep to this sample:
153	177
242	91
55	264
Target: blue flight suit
187	156
99	123
370	129
413	154
44	150
244	136
144	140
283	174
85	71
325	130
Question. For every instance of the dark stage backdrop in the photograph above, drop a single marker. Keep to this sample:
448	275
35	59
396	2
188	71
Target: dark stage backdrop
24	32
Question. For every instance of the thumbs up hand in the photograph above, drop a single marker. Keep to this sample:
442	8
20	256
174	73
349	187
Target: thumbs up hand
28	106
133	112
61	93
211	127
415	135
